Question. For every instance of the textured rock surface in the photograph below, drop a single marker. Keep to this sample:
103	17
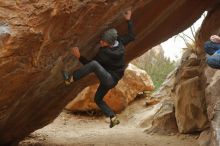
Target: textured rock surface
164	120
35	34
185	86
212	101
204	138
189	93
210	26
134	81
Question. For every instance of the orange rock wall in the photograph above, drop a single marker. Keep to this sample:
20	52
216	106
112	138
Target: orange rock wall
35	34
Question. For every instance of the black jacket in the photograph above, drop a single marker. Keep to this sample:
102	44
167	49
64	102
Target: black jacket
113	59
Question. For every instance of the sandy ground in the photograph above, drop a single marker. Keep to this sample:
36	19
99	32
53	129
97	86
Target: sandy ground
78	130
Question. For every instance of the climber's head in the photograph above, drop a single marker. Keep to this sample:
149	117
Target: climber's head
108	38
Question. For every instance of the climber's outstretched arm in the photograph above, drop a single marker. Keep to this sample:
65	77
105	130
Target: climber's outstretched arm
130	34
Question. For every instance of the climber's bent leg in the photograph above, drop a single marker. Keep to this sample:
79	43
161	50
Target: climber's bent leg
104	76
100	94
211	48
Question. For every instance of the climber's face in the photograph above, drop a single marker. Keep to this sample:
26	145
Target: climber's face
103	43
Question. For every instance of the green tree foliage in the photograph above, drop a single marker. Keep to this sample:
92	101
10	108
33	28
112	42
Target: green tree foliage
156	65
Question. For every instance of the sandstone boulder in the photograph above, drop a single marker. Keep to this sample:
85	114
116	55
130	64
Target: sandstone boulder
134	81
185	90
39	33
204	138
164	121
212	101
212	92
189	96
190	107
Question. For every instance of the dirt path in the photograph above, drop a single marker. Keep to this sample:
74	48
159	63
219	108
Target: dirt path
75	130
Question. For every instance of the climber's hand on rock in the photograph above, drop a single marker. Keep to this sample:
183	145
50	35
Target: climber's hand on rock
75	52
127	15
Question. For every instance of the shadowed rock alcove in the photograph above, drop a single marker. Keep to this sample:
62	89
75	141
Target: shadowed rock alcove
36	34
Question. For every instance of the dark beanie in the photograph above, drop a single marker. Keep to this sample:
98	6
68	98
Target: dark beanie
110	36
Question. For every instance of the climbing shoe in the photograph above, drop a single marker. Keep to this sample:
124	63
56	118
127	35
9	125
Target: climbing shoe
67	79
114	121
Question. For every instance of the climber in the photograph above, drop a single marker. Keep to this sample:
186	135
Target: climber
212	47
108	65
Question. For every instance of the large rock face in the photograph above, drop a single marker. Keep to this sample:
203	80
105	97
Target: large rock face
189	93
212	92
185	86
212	102
134	81
164	120
35	34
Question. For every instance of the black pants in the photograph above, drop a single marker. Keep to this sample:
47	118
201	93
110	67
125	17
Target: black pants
106	83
